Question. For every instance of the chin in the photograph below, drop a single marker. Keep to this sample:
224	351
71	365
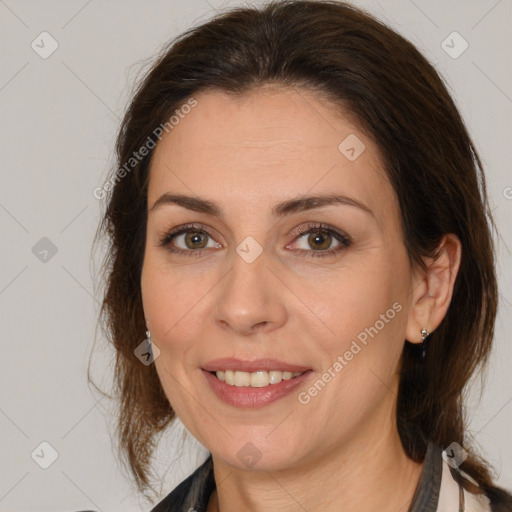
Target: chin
256	453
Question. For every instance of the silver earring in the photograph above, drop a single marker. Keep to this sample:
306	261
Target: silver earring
150	349
424	335
148	333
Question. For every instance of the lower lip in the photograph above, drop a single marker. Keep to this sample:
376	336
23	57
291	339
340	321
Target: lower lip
253	397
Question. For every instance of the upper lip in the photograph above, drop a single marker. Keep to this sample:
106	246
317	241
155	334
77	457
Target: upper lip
230	363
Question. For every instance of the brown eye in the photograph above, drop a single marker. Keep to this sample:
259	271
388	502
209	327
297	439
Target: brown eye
196	240
188	240
319	240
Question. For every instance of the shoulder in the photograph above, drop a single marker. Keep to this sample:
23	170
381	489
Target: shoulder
193	493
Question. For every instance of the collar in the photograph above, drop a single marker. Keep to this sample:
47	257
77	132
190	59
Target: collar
437	491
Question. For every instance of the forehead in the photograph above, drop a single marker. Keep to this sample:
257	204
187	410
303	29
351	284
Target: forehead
272	143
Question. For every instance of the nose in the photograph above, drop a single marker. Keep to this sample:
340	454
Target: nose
251	299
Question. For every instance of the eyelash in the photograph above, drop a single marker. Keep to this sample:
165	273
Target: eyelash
343	239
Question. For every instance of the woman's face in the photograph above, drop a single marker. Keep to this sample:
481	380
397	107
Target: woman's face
265	280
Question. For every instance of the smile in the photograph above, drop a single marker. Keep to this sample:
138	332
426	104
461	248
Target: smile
254	384
258	379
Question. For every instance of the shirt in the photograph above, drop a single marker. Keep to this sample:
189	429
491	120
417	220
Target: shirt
437	491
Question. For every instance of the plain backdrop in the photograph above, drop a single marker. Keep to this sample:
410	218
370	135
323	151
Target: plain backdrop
58	120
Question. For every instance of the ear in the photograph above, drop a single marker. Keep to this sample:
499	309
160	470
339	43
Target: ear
432	289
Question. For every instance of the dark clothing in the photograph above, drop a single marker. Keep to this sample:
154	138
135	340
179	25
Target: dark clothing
193	494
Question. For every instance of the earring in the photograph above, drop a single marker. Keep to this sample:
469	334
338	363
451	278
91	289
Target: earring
148	334
148	340
424	335
150	349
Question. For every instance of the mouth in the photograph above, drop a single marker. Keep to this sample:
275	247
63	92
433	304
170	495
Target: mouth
258	379
253	383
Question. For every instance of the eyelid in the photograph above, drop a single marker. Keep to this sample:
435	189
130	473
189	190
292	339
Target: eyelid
320	226
167	236
344	240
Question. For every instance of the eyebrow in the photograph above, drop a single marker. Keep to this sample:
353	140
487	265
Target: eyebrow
288	207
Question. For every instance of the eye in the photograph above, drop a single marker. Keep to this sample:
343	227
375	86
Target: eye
188	240
315	240
320	240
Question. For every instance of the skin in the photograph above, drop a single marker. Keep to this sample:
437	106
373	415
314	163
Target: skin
247	154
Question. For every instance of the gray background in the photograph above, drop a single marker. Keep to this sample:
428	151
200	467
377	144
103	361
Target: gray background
58	120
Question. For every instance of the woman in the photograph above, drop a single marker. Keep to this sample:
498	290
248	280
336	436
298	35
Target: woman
299	224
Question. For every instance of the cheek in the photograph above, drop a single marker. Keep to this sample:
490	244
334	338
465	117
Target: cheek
166	300
170	304
174	299
367	317
366	312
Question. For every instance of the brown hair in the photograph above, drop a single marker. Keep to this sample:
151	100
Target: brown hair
400	100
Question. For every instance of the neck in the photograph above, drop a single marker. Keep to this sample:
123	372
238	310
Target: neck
359	476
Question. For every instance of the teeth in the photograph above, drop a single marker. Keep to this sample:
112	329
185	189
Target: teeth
258	379
275	377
